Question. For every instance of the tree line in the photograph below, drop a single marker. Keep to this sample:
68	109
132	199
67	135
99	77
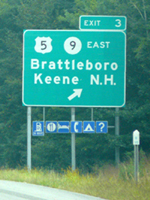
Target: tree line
53	151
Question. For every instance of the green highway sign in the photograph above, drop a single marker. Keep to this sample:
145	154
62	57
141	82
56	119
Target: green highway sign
74	68
101	22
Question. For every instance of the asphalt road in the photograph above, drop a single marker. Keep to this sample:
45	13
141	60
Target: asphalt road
10	190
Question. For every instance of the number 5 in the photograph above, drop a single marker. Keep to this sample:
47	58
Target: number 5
118	22
43	44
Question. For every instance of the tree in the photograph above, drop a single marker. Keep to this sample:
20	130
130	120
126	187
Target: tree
18	15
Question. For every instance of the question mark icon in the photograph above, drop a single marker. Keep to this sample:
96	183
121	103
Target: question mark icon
101	125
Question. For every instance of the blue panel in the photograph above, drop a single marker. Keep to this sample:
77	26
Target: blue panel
63	127
88	127
51	127
76	127
101	127
38	128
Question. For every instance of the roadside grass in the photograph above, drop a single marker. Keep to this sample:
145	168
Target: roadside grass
107	182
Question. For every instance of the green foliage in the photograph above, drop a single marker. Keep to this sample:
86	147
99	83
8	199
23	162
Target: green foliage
54	151
126	169
106	178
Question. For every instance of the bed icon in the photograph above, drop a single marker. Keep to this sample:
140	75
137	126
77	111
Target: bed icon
63	127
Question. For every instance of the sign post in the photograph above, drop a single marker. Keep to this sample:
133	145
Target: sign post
136	143
29	138
73	140
117	122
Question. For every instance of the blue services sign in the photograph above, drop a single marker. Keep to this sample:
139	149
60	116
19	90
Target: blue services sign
76	127
51	127
88	127
67	127
38	128
63	127
101	127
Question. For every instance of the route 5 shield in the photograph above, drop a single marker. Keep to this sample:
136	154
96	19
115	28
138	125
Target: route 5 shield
43	45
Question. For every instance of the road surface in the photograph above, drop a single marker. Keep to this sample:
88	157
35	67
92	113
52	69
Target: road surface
10	190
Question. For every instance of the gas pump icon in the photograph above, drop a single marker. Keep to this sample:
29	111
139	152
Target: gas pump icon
38	126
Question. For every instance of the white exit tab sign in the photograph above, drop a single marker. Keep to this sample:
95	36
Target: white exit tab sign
136	137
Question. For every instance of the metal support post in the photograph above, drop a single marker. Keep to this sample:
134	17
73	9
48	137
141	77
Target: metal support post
29	138
136	143
117	152
92	114
73	149
44	118
136	163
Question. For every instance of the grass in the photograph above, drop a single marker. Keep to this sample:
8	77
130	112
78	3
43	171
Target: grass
107	182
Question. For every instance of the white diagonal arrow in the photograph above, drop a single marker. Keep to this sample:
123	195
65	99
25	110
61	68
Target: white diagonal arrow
77	92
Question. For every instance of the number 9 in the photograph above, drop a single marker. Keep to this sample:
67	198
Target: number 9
73	44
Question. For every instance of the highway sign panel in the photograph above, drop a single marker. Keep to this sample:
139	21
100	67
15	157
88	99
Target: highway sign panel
74	68
63	127
38	128
101	127
51	127
136	137
76	127
101	22
88	127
